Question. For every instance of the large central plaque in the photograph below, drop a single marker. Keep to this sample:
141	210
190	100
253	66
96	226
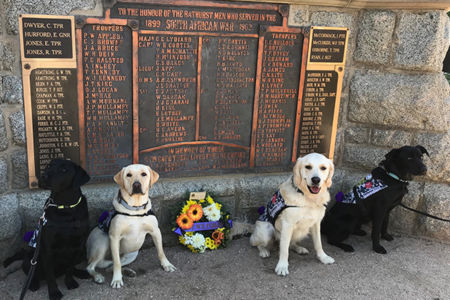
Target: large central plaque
188	88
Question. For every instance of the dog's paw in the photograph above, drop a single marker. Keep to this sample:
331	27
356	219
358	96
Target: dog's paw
168	267
359	232
117	281
55	294
263	252
379	249
346	248
300	250
99	278
325	259
387	237
282	268
70	283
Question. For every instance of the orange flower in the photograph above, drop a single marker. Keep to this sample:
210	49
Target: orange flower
217	236
195	212
184	222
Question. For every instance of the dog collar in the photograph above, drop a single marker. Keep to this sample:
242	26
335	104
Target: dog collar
128	206
392	174
295	187
396	177
50	203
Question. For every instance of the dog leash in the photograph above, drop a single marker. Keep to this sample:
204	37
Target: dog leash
33	260
423	213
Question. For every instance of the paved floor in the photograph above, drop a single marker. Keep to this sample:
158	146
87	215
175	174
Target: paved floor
412	269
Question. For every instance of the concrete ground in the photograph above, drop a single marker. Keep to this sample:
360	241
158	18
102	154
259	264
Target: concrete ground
413	269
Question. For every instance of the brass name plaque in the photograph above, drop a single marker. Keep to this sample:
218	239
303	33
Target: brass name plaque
190	88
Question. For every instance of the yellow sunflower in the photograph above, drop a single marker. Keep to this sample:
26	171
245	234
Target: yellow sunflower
195	212
184	222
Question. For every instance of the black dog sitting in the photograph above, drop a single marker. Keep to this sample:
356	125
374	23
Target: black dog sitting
374	198
65	230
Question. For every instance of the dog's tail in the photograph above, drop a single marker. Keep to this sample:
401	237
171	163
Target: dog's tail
18	256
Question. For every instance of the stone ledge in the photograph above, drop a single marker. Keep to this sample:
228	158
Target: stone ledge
241	194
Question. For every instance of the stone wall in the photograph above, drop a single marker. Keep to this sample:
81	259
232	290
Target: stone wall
394	94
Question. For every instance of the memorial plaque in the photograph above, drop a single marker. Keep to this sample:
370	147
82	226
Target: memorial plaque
278	98
322	90
318	112
55	115
328	46
108	105
47	37
49	75
190	88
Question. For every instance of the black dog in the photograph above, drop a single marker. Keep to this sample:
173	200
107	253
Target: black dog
374	198
63	237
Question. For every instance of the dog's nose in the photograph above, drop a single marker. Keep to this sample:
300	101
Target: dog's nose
137	187
315	180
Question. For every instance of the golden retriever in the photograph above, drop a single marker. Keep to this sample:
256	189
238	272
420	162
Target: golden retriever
122	232
296	209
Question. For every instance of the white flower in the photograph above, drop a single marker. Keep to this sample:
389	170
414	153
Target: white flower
214	216
212	213
198	241
187	239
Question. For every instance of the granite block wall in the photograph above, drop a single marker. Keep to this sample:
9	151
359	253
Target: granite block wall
394	94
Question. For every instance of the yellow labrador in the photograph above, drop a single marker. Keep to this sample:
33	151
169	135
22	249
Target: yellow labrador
296	209
121	233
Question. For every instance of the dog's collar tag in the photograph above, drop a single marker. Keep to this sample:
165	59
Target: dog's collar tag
128	206
295	187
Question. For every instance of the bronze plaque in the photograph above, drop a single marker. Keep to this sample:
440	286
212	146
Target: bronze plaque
47	37
189	88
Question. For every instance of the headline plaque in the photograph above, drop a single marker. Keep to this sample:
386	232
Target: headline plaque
190	88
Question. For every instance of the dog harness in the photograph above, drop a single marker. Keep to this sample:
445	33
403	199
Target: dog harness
31	236
106	217
362	190
276	206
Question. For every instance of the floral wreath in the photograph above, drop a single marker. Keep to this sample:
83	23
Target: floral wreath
202	223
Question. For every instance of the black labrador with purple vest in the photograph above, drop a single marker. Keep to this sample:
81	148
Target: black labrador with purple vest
64	232
373	198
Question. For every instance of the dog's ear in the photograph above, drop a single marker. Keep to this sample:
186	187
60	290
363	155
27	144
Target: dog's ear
297	172
329	180
154	177
118	178
423	150
81	177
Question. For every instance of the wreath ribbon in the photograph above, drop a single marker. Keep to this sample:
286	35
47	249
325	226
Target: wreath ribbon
202	226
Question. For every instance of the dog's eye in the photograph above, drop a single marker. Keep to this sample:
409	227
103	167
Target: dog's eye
409	158
63	170
129	175
308	167
143	174
323	168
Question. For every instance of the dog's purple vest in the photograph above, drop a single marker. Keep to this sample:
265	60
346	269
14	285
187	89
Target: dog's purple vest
273	208
363	189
